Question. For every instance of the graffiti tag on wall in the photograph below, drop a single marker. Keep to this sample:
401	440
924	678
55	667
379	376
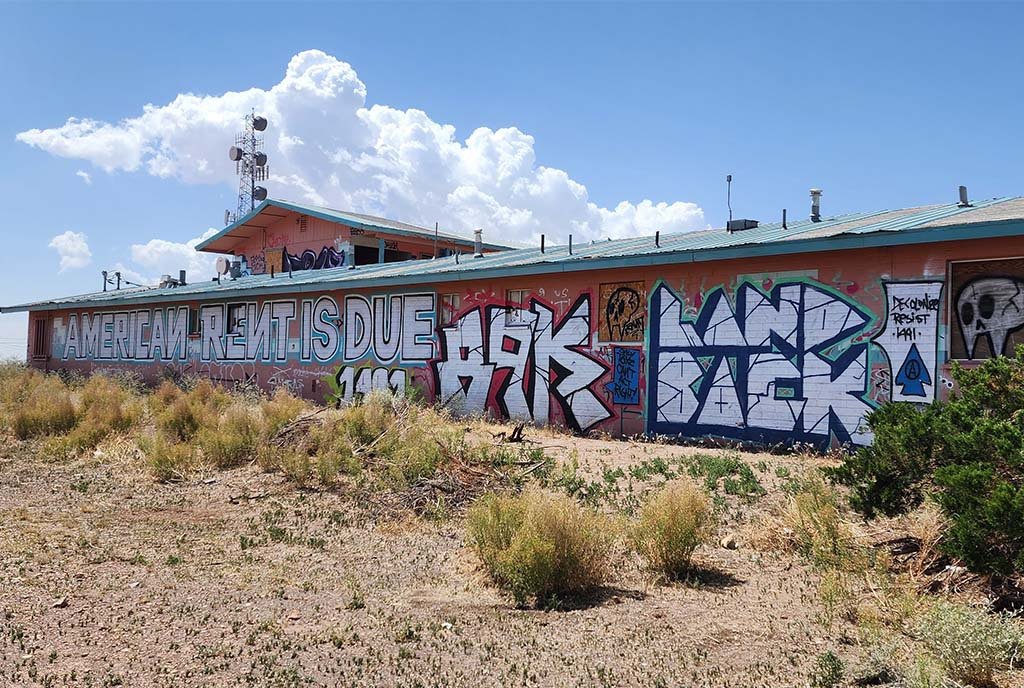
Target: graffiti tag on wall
987	317
622	310
514	368
910	338
777	366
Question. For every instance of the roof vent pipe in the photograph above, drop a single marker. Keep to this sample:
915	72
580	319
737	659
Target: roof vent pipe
181	278
964	201
478	243
815	205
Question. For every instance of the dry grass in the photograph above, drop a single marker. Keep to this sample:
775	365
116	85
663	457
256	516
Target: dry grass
672	524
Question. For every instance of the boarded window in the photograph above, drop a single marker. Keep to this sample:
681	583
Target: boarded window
40	339
986	308
515	313
194	323
622	312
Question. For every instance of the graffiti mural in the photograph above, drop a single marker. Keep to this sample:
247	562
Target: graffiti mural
352	383
515	368
625	384
989	310
622	311
389	328
329	257
987	313
909	338
776	366
150	335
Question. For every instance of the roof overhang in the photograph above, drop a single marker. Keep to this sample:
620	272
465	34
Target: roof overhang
272	210
284	285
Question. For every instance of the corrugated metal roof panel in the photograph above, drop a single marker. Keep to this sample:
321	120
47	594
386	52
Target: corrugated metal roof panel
936	222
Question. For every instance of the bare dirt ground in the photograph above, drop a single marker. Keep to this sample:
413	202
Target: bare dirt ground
240	578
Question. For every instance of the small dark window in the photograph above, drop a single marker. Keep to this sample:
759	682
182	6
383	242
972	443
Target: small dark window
450	305
514	315
194	323
236	318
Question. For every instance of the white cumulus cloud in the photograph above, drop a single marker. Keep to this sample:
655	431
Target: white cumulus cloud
159	257
73	249
84	176
328	146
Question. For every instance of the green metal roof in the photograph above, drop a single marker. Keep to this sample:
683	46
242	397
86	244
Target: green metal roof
999	217
357	220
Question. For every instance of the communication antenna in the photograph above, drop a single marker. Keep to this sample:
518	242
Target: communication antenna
250	166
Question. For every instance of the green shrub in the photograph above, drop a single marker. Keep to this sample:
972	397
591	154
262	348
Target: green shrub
828	671
968	453
970	644
672	524
540	546
179	419
887	477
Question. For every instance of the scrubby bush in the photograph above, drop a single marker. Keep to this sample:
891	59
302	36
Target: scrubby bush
45	409
967	452
970	644
106	407
281	409
540	546
232	440
672	524
167	459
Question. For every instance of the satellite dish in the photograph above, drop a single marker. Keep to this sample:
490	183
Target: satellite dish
235	153
259	123
223	265
261	159
260	193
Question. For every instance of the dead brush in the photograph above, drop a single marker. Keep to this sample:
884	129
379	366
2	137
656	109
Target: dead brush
672	524
105	406
812	524
42	407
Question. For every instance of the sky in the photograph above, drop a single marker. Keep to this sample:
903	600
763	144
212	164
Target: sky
599	120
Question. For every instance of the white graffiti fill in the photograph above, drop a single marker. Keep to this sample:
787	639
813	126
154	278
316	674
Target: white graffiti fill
777	366
520	366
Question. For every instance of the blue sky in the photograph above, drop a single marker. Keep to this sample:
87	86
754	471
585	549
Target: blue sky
882	105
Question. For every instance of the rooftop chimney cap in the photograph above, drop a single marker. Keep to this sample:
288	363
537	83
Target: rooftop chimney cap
478	243
815	205
964	200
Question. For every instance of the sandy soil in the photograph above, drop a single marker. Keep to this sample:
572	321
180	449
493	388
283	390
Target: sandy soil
238	578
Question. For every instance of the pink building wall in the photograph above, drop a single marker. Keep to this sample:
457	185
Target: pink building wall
773	349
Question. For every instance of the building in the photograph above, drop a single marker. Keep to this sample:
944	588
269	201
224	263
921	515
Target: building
779	332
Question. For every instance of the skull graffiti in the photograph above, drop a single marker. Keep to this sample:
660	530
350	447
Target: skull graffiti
624	315
992	308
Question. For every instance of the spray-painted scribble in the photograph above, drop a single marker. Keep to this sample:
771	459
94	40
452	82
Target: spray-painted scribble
625	384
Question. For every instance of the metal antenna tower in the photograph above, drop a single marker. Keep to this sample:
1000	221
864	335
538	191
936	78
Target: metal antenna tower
250	166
